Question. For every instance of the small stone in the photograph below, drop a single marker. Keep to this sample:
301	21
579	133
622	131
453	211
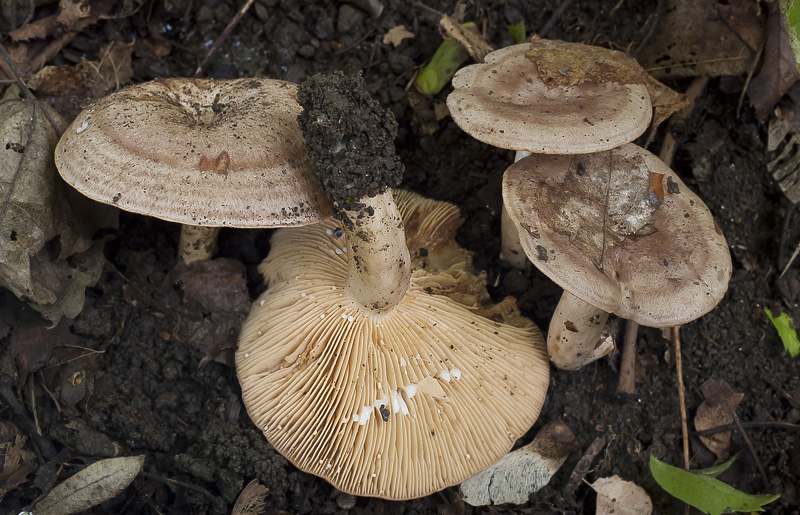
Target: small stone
345	501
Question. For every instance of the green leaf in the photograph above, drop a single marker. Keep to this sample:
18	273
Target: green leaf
517	31
791	20
786	331
444	64
705	493
716	469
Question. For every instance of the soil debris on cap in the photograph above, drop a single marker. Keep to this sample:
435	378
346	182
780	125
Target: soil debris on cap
350	139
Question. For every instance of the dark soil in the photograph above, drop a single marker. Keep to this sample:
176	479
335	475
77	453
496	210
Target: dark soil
146	390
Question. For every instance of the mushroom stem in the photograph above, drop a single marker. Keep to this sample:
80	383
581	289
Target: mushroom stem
575	337
197	242
511	249
379	267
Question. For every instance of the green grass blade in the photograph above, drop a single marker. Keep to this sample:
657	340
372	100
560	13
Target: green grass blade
705	493
786	331
517	31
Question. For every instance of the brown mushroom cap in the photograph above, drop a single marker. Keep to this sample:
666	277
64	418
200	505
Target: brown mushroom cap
620	230
196	152
504	103
396	405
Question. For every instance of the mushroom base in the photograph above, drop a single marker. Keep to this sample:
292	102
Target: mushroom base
575	337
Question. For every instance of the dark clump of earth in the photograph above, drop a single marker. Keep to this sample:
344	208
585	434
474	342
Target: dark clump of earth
147	391
349	137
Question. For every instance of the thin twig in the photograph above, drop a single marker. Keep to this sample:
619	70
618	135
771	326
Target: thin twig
582	467
52	397
660	10
427	8
787	220
769	424
16	73
33	406
557	14
732	413
670	144
695	63
222	37
756	60
676	340
169	481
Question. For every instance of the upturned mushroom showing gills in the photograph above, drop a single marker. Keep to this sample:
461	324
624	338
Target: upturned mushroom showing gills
621	233
202	153
372	366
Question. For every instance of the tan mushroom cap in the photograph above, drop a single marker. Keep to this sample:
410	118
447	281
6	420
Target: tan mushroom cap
397	405
504	103
196	152
620	231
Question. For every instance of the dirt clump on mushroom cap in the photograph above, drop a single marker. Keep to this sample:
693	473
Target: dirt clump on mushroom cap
350	138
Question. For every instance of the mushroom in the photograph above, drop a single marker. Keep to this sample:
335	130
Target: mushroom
504	102
621	233
202	153
360	363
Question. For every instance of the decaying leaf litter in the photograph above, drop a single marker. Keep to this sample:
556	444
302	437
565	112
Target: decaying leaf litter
144	390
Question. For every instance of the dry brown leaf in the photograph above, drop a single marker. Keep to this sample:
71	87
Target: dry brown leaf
470	39
396	35
691	40
214	304
564	64
38	29
785	168
71	11
15	462
69	88
616	496
252	499
93	485
47	255
31	55
524	471
717	410
778	70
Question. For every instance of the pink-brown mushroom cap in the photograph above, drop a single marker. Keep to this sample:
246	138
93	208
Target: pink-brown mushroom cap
504	103
621	231
197	152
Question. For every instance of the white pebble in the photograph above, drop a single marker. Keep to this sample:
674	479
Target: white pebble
411	390
403	405
366	411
